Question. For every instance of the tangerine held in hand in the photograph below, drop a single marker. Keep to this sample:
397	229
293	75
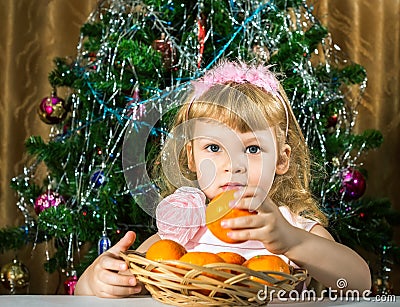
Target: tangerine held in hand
267	263
165	249
217	210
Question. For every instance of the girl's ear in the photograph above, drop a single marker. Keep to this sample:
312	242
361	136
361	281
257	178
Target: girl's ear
189	154
283	163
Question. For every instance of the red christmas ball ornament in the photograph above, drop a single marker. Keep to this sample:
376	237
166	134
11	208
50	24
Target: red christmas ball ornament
92	58
47	200
52	110
70	283
353	184
201	36
168	54
332	120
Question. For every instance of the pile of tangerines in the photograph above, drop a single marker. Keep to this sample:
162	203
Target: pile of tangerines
166	249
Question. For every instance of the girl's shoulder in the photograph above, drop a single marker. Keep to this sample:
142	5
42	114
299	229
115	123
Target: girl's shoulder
297	220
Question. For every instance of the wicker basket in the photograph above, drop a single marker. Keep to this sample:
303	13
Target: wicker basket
219	284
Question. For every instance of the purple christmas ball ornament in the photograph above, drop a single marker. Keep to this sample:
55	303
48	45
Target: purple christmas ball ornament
353	184
52	110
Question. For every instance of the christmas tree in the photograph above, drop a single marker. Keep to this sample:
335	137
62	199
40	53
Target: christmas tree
132	58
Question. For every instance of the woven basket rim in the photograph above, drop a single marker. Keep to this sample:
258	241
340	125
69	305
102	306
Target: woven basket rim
181	284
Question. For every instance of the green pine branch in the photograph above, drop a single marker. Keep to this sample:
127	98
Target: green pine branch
368	223
367	140
12	238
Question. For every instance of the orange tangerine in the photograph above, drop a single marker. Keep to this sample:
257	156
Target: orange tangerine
217	210
232	257
202	258
267	263
165	249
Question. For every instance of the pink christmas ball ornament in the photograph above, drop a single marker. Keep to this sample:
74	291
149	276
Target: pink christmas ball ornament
47	200
70	283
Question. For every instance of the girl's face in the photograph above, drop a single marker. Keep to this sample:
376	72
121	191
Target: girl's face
225	159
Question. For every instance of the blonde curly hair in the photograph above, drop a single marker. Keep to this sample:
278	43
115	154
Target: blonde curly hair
229	104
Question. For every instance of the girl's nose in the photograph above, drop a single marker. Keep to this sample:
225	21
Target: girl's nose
237	165
239	169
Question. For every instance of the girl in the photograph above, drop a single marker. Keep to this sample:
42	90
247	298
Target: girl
237	131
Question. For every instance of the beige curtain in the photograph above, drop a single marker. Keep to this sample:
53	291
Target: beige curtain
32	33
368	31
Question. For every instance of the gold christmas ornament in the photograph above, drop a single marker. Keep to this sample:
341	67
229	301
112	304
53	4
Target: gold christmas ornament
14	275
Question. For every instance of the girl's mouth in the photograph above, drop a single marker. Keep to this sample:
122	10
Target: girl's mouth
232	186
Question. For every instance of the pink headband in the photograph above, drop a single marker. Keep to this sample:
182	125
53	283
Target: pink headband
239	72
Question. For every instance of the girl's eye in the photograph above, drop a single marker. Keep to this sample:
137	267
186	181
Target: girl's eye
253	149
213	148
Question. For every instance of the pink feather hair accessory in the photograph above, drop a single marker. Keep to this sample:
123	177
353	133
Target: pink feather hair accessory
239	72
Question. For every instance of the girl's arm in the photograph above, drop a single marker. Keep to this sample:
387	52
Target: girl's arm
325	260
328	261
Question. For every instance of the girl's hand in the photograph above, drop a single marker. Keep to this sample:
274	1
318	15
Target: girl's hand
268	226
108	276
